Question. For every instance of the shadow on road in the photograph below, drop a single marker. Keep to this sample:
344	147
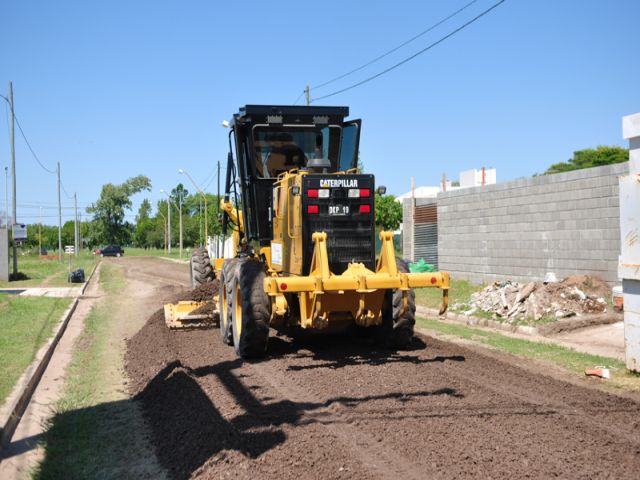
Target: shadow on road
341	351
187	428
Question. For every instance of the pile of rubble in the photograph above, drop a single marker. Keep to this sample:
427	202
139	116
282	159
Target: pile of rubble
512	301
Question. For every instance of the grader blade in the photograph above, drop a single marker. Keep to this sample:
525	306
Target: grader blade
190	315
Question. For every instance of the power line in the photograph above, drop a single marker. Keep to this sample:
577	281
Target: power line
380	57
429	47
53	172
300	96
70	197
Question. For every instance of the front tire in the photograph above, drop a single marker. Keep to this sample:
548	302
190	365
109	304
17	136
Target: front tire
251	311
201	271
396	330
228	279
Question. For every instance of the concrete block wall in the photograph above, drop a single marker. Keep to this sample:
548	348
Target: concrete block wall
407	229
566	223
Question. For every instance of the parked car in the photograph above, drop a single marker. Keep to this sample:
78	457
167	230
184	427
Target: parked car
111	251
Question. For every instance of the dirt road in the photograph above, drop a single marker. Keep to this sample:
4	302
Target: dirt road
331	409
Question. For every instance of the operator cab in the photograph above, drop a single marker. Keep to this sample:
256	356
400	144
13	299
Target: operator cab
270	140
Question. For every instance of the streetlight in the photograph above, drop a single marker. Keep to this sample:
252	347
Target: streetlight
206	231
180	198
169	214
164	228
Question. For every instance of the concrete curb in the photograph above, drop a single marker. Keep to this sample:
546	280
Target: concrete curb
86	284
19	398
476	321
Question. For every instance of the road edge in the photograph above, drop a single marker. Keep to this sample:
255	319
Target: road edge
11	413
471	321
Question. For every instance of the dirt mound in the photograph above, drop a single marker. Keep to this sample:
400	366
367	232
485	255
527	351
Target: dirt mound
592	286
203	293
575	295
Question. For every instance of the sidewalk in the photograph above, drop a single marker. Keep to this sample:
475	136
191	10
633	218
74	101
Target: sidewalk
45	291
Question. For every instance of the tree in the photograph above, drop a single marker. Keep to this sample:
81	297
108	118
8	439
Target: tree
589	157
388	212
109	211
144	225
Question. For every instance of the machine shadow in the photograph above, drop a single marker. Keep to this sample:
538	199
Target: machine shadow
343	350
186	437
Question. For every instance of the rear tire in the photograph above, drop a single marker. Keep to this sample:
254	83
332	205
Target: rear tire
200	268
251	311
396	330
228	279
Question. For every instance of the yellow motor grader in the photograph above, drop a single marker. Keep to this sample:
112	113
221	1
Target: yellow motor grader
303	226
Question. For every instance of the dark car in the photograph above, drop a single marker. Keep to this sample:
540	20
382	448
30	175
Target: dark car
111	251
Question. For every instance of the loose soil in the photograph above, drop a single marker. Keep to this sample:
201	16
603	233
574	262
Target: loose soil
326	407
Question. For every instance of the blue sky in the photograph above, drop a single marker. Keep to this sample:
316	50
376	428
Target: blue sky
115	89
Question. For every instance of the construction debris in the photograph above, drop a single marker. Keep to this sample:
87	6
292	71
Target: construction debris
511	301
601	372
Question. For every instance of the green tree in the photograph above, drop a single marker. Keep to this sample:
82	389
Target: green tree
109	211
388	212
589	157
144	224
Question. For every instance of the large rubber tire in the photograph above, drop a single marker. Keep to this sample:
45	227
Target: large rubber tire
396	330
228	279
251	311
200	268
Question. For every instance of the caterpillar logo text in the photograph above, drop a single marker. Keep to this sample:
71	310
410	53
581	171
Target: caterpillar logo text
339	182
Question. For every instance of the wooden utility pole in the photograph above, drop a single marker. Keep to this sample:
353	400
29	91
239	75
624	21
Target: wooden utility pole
307	96
13	178
75	223
180	195
59	218
218	213
40	233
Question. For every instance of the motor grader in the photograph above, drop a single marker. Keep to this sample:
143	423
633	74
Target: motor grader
303	226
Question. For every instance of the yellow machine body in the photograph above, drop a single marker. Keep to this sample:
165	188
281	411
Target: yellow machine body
322	296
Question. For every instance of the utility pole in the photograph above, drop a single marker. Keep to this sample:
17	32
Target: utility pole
169	201
218	213
40	233
13	178
181	194
169	222
75	223
307	96
59	218
6	197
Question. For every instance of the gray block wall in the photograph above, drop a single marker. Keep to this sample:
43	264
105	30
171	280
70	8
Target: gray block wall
407	229
567	223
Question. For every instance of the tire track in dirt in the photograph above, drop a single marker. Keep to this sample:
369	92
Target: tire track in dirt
339	422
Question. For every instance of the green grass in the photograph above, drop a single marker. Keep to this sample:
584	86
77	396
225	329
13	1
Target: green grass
50	273
25	325
158	252
94	432
459	292
566	358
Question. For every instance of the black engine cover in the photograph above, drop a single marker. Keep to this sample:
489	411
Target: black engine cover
349	226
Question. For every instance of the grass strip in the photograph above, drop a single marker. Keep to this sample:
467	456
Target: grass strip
567	358
158	252
42	272
96	429
459	292
26	323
